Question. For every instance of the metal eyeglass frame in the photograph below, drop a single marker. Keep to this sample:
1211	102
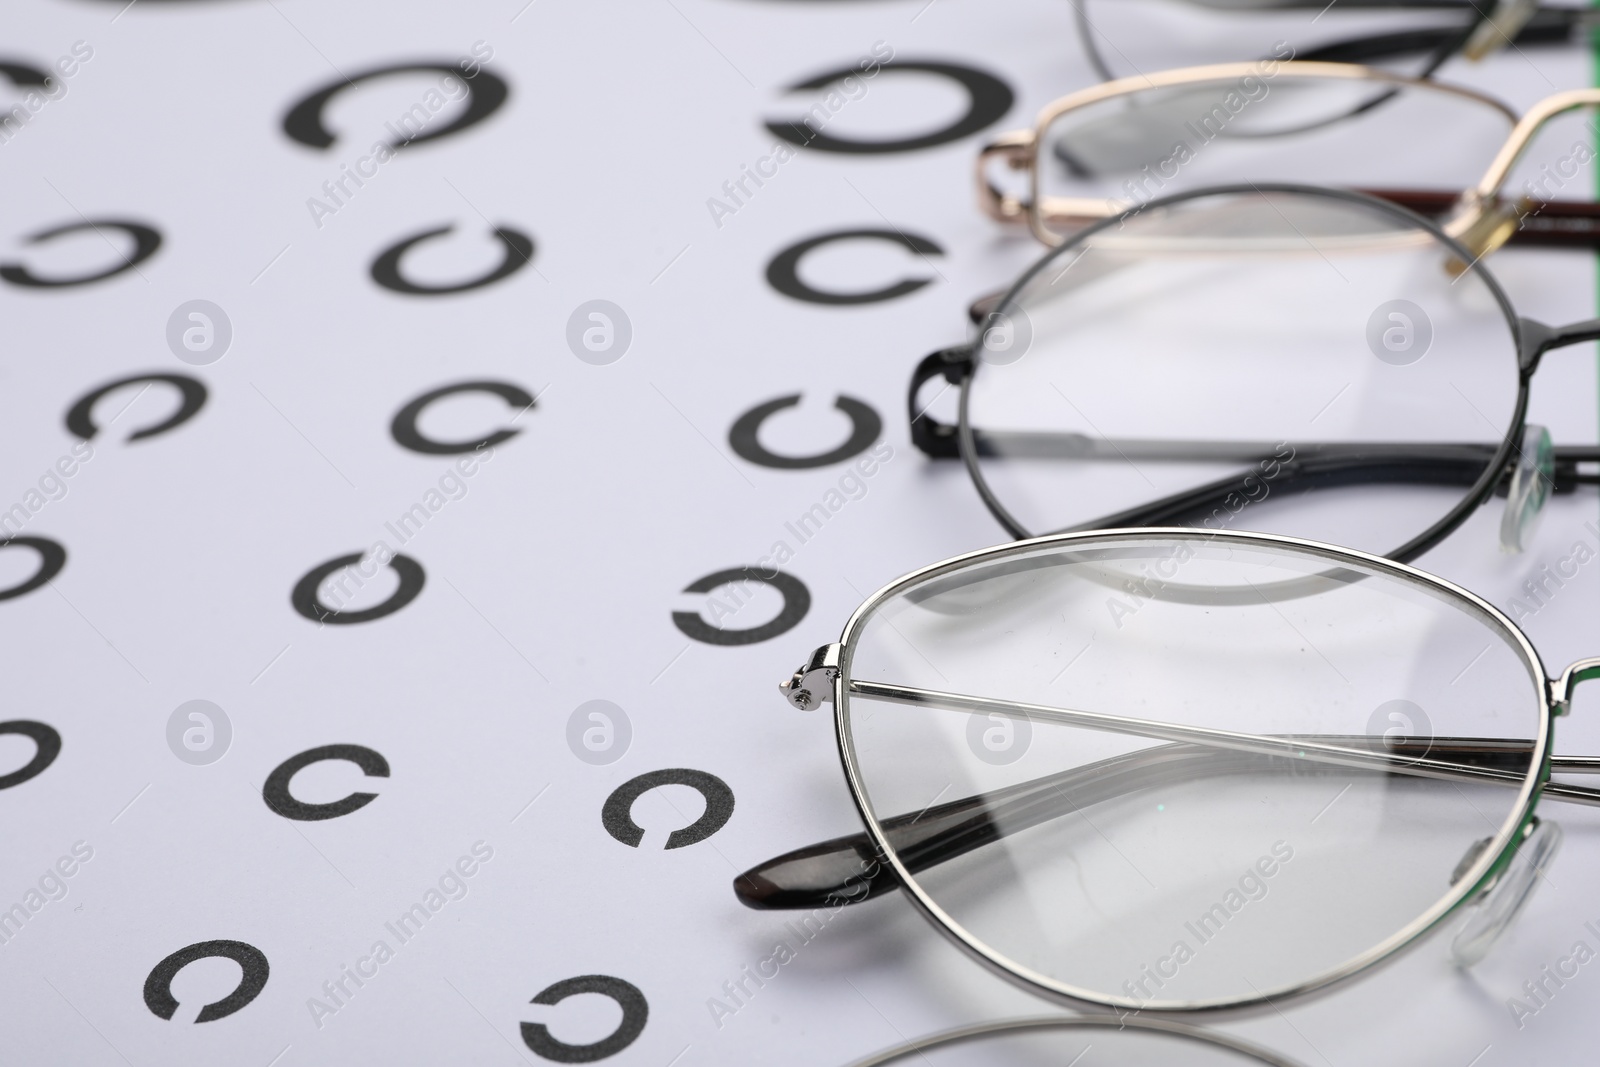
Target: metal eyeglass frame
1489	26
832	873
1481	217
1422	464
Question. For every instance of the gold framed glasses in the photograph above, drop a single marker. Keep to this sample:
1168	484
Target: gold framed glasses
1447	152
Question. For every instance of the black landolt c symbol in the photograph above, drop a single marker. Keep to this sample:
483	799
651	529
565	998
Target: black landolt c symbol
276	790
47	746
796	602
744	438
617	814
988	99
516	253
191	392
485	94
146	240
404	427
158	987
783	273
52	557
635	1012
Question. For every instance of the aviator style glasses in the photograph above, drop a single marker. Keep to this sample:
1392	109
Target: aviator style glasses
1203	800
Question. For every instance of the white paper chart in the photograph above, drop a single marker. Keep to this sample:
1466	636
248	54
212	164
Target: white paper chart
397	398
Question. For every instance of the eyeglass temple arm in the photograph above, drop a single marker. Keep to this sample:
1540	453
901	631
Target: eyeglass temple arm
1327	465
1539	223
846	870
1313	465
1439	43
1491	185
1449	465
1547	26
1528	221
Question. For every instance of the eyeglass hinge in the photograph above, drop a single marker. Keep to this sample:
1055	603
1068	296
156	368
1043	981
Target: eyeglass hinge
1536	338
1576	673
812	684
1499	28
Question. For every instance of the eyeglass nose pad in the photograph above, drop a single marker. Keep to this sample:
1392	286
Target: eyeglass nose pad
1501	903
1531	479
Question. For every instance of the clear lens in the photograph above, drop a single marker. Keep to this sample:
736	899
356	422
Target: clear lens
1426	141
1162	772
1295	363
1055	1042
1125	37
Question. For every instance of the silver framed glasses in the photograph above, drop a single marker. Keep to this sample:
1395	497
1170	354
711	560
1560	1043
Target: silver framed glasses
1446	151
1299	360
1165	771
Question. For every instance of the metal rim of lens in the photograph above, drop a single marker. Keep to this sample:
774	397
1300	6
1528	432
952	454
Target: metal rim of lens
1422	542
1182	76
1490	862
977	1031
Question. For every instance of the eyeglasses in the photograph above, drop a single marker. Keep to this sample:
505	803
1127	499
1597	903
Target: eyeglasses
1447	152
1068	1039
1154	770
1121	37
1304	361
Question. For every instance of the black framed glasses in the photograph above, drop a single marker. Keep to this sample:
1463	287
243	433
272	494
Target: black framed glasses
1416	37
1284	358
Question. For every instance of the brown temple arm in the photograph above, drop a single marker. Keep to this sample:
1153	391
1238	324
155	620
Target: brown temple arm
1539	224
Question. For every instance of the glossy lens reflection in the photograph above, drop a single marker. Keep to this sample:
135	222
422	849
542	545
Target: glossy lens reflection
1296	362
1160	772
1124	37
1421	143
